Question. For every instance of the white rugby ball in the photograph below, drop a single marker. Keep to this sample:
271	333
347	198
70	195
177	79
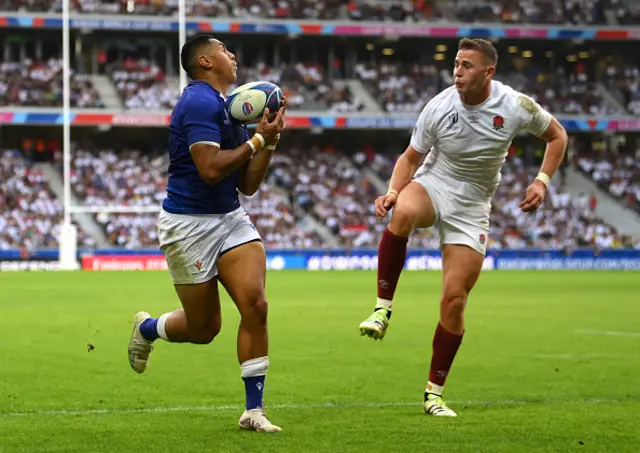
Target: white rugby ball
246	103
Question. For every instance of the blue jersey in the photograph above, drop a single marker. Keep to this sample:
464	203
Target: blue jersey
200	116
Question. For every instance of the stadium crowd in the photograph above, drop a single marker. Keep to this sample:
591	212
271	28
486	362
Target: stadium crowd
401	87
30	212
623	80
142	85
335	189
306	86
511	11
398	87
618	174
562	221
39	83
122	177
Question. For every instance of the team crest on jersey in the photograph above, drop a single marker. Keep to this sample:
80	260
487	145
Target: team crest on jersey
483	239
498	122
198	265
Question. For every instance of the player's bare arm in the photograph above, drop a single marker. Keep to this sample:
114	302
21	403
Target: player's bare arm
557	139
403	172
214	164
253	172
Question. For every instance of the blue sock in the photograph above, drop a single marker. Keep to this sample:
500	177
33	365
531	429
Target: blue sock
149	329
254	386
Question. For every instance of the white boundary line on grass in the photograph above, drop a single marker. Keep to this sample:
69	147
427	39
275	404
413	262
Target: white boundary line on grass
609	333
604	355
221	408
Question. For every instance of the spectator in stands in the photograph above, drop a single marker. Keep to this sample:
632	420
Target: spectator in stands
30	212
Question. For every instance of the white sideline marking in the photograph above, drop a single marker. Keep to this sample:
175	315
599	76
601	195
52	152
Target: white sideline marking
585	356
609	332
154	410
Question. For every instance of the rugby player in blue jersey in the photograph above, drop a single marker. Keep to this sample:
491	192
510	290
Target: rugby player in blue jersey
204	233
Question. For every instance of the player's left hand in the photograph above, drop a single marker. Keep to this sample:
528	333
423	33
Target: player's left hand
535	195
281	124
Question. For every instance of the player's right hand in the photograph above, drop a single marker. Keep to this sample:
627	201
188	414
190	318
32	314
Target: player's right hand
270	129
384	203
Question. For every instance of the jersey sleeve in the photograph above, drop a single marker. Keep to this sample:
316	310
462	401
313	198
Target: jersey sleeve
200	123
534	119
423	136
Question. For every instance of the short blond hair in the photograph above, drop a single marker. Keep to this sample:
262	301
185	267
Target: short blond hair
481	45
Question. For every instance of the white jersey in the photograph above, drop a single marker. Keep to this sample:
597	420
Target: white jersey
470	143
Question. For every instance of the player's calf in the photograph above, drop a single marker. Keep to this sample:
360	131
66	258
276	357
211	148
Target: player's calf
413	209
252	342
452	305
242	272
176	327
461	268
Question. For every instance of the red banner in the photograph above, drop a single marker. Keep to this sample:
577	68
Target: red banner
124	263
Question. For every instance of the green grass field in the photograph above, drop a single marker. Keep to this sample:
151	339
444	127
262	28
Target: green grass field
550	362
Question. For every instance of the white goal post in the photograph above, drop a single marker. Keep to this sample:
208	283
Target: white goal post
68	240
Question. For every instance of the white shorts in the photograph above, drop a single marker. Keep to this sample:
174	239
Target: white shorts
462	210
192	244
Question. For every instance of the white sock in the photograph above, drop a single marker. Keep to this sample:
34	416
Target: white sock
254	373
255	367
434	388
384	303
162	320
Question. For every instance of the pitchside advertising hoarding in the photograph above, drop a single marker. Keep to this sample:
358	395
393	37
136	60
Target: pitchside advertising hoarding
324	260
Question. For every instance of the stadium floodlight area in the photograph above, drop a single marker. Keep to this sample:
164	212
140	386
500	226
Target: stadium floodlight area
68	243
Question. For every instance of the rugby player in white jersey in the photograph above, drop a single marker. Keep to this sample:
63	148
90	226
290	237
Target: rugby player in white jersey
446	177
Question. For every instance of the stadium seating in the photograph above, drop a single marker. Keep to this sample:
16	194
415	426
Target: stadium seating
510	11
103	177
396	86
142	86
130	178
275	218
623	81
305	85
39	83
30	213
561	222
402	87
533	11
560	92
332	188
617	174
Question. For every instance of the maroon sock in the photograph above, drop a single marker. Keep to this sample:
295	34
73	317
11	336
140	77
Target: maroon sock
445	347
392	253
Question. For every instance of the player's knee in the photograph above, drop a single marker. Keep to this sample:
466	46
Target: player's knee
260	308
454	300
256	308
205	333
404	219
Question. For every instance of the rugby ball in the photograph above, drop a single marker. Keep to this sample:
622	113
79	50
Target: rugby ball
246	103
